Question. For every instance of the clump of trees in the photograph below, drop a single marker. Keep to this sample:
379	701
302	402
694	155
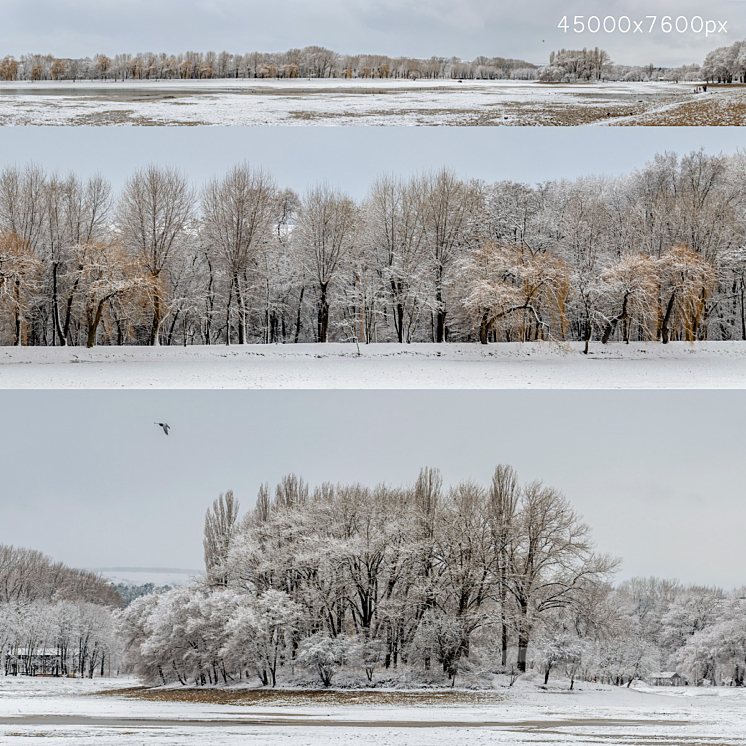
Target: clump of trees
726	64
576	64
423	584
54	620
658	254
384	578
721	65
309	62
586	65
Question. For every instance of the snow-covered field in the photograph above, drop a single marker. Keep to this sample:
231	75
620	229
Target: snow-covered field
352	102
380	366
74	711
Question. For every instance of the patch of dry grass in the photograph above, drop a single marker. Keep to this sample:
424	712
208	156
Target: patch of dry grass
320	697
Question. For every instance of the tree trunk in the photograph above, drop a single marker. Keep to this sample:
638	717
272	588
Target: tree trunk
69	309
298	317
241	311
609	330
666	319
18	335
93	322
440	326
323	322
57	322
522	651
523	637
440	314
484	329
156	321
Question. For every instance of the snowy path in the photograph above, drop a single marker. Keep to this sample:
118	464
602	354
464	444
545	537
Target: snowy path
60	712
710	365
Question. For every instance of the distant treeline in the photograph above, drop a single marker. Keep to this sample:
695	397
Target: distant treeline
309	62
722	65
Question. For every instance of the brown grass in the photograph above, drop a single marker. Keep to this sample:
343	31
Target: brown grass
320	697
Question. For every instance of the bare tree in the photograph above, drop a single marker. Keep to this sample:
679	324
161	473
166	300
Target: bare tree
76	213
550	558
240	212
393	232
325	233
446	207
154	214
20	272
220	522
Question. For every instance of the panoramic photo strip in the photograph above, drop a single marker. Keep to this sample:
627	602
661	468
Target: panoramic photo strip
372	373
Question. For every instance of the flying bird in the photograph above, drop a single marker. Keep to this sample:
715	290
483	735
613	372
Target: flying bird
164	425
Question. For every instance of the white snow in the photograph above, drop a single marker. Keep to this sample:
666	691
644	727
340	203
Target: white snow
380	366
318	101
58	711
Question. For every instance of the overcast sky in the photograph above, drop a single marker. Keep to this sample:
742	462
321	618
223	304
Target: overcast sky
90	479
352	157
420	28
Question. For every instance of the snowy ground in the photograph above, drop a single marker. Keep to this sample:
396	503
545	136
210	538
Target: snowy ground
74	711
380	366
362	102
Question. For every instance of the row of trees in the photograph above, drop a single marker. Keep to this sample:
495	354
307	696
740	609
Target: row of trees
54	619
656	254
423	584
27	575
309	62
723	65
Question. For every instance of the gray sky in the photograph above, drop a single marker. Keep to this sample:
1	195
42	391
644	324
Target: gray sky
89	479
420	28
352	157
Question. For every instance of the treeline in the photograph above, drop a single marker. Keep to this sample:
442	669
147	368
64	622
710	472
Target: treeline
309	62
54	620
29	575
657	254
398	586
722	65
